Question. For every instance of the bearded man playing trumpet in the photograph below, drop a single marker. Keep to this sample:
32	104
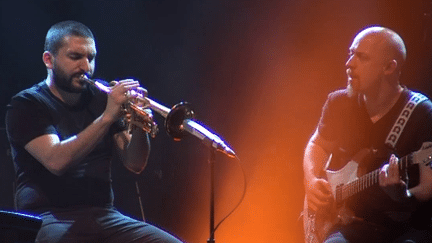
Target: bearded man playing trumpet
63	133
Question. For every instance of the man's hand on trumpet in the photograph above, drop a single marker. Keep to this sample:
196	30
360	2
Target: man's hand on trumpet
133	105
137	97
118	97
126	98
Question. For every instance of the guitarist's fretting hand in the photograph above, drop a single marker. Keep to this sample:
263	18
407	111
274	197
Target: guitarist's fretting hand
319	194
390	182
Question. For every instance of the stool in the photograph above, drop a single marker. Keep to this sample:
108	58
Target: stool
18	227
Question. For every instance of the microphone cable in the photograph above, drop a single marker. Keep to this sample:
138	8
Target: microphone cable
241	198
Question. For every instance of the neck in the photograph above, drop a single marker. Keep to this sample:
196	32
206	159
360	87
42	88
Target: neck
379	102
67	97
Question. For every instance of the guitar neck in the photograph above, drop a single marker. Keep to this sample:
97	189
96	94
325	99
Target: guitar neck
360	184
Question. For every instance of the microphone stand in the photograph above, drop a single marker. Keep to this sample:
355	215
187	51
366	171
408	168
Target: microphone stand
179	121
212	159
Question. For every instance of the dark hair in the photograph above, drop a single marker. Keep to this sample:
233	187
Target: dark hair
55	36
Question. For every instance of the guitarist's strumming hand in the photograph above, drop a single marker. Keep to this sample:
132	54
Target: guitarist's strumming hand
390	181
319	195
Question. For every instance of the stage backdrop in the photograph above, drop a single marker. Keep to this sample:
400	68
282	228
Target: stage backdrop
256	73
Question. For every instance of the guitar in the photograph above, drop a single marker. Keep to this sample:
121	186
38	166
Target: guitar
345	183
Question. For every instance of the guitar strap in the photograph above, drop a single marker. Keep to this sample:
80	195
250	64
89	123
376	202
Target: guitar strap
402	120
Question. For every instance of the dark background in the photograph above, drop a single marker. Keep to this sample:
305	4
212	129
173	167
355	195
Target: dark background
256	72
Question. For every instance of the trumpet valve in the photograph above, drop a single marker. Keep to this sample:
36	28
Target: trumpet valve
141	118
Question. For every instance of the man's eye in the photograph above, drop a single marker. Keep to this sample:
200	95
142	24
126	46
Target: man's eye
75	57
362	57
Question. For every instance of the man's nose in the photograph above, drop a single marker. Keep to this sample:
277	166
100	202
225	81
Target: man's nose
350	62
86	65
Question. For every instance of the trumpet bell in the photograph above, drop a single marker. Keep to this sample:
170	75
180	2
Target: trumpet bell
174	120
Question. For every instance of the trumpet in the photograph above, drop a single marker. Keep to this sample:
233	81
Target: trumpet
178	119
139	118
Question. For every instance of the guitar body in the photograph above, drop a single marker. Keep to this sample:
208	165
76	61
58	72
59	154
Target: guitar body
347	182
317	225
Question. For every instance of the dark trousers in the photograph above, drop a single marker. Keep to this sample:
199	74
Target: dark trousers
95	224
362	232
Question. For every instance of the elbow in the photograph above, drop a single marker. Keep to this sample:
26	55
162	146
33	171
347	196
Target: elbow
136	169
57	166
56	170
135	165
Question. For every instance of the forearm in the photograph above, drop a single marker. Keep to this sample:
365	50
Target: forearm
137	151
314	161
317	188
316	156
58	156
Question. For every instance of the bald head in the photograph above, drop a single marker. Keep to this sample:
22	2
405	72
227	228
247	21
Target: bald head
391	44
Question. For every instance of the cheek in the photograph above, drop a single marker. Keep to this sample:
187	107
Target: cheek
369	70
62	63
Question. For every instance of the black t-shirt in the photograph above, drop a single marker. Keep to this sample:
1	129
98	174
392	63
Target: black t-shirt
345	121
35	112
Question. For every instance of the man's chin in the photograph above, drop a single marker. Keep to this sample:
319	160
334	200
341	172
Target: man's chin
74	88
352	92
79	89
78	86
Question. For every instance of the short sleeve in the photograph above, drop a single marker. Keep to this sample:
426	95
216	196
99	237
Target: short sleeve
27	120
331	116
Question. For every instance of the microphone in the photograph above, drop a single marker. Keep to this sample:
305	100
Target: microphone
207	137
179	120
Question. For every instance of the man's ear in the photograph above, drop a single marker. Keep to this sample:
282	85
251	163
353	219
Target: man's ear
391	67
48	59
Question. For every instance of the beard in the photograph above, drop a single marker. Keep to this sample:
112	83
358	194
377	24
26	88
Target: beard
64	81
352	88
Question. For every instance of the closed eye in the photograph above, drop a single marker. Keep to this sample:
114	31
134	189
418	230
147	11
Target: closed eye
360	55
75	56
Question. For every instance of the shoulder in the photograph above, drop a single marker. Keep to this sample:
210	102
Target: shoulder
424	101
340	95
427	104
34	92
421	117
33	95
340	98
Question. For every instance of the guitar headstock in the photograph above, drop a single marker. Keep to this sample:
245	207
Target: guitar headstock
424	155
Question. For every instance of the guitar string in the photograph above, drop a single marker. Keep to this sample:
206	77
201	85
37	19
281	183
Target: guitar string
365	181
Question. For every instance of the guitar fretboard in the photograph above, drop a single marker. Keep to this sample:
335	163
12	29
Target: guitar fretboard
343	192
